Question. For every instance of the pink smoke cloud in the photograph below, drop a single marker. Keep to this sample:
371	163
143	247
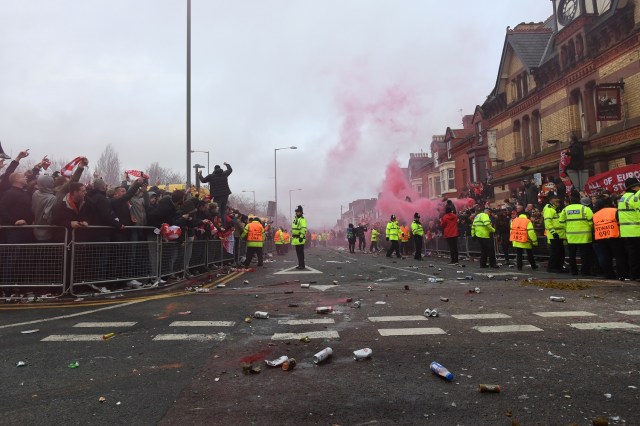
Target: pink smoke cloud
394	193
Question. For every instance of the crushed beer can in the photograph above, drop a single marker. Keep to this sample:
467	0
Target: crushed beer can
489	388
361	354
322	355
444	299
324	309
261	315
304	285
356	304
557	298
276	362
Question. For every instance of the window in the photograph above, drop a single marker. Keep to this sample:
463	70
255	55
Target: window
452	179
536	131
479	133
472	168
517	145
525	84
519	87
449	149
526	136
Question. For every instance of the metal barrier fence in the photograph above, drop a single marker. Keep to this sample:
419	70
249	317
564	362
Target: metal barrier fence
29	263
96	256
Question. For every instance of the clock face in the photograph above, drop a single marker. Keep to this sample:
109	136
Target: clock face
567	11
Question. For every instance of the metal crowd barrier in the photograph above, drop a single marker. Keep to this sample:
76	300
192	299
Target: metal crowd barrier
88	259
32	263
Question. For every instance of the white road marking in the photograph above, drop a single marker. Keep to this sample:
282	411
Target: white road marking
407	270
480	316
104	324
398	318
322	287
410	331
307	321
78	314
564	314
202	324
629	312
329	334
506	328
191	337
603	325
293	270
73	338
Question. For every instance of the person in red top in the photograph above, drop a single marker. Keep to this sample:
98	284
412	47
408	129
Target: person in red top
449	224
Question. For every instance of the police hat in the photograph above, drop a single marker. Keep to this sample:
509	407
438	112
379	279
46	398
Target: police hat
631	182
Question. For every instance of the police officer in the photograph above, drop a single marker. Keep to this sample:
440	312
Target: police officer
523	237
418	234
577	221
393	233
254	233
298	235
629	218
555	235
481	229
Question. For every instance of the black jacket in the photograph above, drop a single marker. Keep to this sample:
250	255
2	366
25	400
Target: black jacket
218	182
15	205
121	207
164	212
63	215
98	212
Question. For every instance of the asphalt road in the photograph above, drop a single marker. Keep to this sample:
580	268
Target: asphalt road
177	357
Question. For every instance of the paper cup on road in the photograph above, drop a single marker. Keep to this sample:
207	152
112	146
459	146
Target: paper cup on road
261	315
322	355
362	354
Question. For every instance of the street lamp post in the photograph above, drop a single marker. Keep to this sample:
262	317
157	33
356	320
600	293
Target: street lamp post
254	200
204	152
290	212
197	167
275	176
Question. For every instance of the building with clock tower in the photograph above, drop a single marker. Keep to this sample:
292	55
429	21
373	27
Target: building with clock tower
578	73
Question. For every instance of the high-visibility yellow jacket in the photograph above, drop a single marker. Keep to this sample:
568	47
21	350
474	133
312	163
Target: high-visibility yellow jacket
481	226
552	222
298	231
522	234
416	228
254	232
629	214
577	221
374	235
393	230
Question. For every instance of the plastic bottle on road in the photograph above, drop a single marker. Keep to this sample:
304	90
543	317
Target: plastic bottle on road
441	371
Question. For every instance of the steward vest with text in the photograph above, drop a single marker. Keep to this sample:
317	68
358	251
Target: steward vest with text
605	224
629	215
519	230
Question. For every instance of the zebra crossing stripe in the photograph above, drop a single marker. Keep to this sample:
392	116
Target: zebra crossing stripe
564	314
202	324
105	324
398	318
191	337
480	316
629	312
410	331
329	334
307	321
73	338
506	328
603	325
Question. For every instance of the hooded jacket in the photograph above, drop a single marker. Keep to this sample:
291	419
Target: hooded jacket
42	203
218	182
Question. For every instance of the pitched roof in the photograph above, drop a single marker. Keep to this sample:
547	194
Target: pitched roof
529	46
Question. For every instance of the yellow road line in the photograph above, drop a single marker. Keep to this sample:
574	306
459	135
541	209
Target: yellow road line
19	307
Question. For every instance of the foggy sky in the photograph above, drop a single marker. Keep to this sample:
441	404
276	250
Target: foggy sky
353	84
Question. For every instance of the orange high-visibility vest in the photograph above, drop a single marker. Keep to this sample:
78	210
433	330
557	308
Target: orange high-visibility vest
605	224
404	233
277	237
314	237
519	230
287	238
255	232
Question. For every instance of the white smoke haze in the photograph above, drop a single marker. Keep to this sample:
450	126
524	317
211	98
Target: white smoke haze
353	84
